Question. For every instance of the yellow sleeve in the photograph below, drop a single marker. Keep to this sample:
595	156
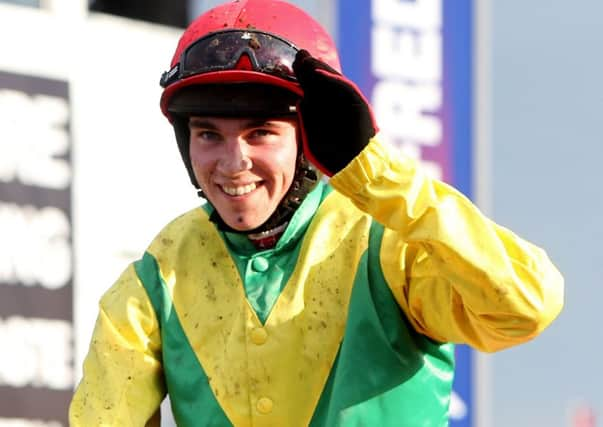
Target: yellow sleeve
458	276
122	383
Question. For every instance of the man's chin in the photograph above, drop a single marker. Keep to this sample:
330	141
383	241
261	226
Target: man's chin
242	229
242	224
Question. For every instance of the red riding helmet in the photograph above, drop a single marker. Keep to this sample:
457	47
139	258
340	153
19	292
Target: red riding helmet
245	41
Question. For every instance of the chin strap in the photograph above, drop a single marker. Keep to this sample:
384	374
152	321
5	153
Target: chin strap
267	239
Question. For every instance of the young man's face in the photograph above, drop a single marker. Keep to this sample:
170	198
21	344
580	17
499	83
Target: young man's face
244	166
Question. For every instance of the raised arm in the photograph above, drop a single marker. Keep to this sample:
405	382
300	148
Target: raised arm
457	275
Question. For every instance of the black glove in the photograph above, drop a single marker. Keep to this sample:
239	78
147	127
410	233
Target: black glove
337	121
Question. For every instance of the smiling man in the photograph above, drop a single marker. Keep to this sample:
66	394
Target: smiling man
287	300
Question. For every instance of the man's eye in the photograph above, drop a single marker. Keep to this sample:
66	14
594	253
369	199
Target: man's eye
259	133
207	135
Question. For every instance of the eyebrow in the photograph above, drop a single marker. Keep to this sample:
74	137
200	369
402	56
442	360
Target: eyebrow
262	122
208	124
201	123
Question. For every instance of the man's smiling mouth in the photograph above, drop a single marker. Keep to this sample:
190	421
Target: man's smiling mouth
238	190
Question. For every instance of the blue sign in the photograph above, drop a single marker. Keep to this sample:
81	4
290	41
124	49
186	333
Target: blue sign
414	61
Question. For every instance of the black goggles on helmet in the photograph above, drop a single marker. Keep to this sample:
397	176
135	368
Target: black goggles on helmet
222	50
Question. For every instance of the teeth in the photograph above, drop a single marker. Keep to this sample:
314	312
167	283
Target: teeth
239	191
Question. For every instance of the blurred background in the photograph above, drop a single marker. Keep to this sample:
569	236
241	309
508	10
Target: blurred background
89	173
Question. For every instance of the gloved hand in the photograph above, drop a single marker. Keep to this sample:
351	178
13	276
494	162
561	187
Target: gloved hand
337	121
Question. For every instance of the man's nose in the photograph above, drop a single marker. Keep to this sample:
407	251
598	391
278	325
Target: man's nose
236	157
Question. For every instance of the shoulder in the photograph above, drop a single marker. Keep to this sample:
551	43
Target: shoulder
335	201
192	219
192	226
337	212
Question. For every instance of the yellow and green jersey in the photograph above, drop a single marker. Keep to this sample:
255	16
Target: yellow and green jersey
348	321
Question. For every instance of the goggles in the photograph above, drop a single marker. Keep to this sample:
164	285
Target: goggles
222	50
